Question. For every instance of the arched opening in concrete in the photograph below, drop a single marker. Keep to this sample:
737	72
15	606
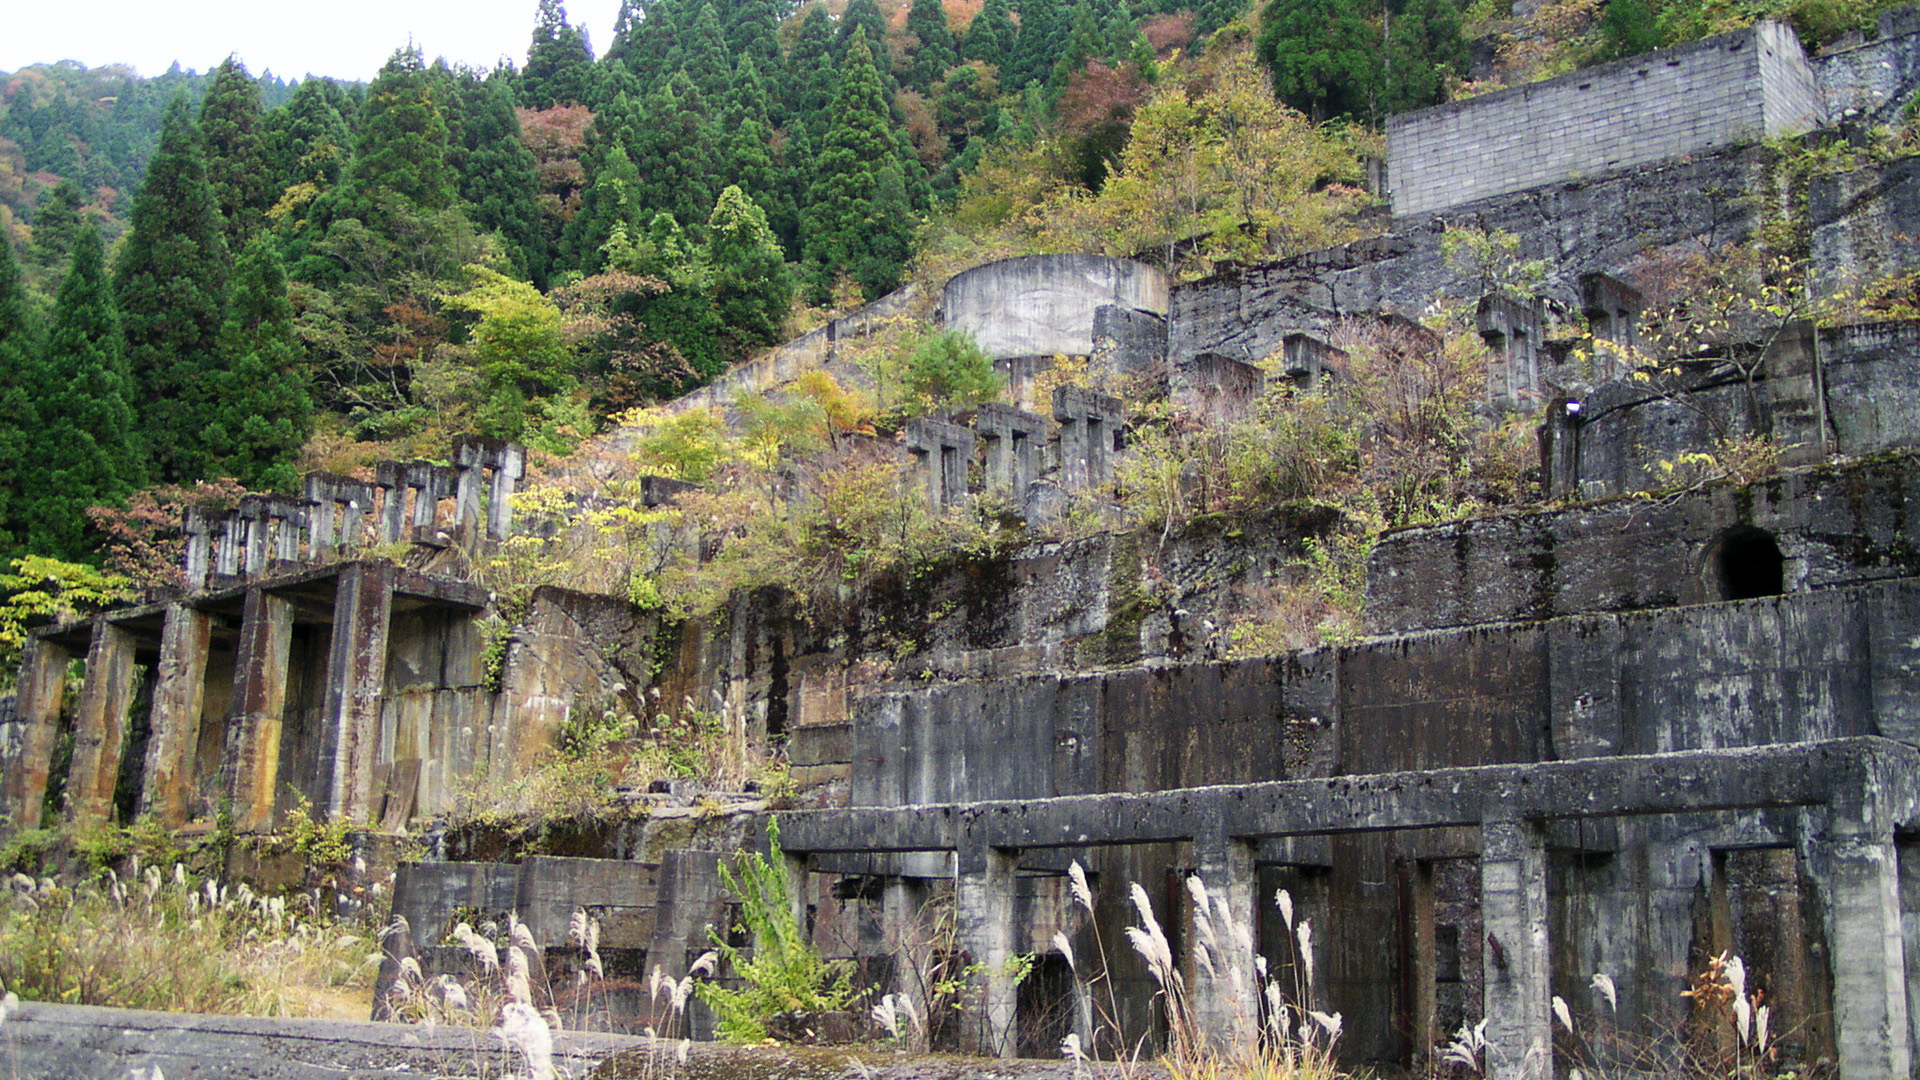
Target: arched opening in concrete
1749	564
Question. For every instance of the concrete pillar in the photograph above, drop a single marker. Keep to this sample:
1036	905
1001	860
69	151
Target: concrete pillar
983	923
943	450
1226	1004
356	682
179	692
226	547
1857	869
905	937
99	724
511	466
199	555
391	478
1425	998
43	688
1513	909
259	707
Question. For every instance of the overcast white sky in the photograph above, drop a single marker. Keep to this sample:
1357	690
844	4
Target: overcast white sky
347	39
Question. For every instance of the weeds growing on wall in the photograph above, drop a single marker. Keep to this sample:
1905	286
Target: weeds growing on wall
168	940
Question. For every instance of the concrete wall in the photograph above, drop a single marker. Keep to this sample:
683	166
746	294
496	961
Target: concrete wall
1038	305
1864	223
1703	96
1871	83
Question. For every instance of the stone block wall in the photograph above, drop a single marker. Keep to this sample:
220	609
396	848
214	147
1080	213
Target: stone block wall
1870	83
1704	96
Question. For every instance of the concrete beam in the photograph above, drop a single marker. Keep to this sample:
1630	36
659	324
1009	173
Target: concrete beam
259	707
29	754
99	724
179	693
1748	778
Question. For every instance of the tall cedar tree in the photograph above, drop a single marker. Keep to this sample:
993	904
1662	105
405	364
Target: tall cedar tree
84	453
171	286
625	22
499	178
935	54
1042	36
1322	55
992	36
21	380
703	55
1424	48
232	127
559	67
812	76
264	408
749	161
675	152
56	223
607	198
308	142
862	16
858	217
752	28
750	285
401	153
650	49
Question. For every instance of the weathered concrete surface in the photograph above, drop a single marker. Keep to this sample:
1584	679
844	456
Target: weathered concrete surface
1694	98
78	1042
1835	527
1037	305
1870	83
1862	222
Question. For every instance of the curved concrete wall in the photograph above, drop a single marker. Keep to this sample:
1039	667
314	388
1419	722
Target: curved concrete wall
1038	305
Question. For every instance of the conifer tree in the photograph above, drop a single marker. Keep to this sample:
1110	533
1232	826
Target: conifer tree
171	286
1322	56
401	153
992	36
1085	41
684	315
752	29
811	76
862	16
750	285
232	126
498	175
559	67
1042	36
263	411
84	452
702	54
748	160
673	151
652	44
619	51
1424	48
308	141
858	216
56	223
606	204
21	381
927	21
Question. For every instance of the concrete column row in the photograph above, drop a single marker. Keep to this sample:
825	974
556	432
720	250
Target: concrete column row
251	759
1852	857
339	513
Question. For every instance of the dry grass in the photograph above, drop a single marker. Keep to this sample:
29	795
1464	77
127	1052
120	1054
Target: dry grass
159	940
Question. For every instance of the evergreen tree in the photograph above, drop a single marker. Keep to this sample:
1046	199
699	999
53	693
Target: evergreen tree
749	160
935	54
56	224
702	54
862	16
750	285
171	286
673	151
1322	56
498	175
307	140
1038	47
400	159
21	380
684	315
606	203
806	93
1085	41
263	410
752	29
84	452
653	43
619	51
992	36
232	127
1630	28
1424	48
559	67
858	217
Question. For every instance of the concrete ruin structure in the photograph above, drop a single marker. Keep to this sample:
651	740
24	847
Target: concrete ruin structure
1605	733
